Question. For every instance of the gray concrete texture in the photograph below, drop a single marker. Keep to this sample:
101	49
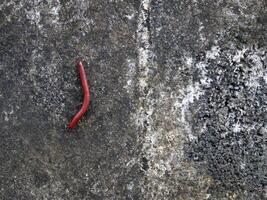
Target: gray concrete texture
178	99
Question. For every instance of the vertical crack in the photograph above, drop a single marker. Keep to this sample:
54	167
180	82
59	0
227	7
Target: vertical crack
144	58
145	109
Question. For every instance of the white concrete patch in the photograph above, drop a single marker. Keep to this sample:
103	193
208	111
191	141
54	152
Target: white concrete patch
239	55
130	75
265	77
236	128
55	12
191	93
258	71
34	16
213	53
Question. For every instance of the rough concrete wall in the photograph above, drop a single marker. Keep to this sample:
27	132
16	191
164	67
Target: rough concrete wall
178	107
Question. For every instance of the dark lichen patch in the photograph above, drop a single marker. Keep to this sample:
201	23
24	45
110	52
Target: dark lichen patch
41	178
231	122
145	165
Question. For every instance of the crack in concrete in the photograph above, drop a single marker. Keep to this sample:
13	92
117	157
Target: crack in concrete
144	53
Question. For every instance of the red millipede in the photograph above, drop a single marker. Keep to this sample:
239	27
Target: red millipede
86	97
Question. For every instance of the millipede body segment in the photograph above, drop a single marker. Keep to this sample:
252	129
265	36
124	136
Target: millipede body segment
86	97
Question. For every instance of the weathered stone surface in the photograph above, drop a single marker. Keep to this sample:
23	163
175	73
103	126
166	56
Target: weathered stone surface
178	107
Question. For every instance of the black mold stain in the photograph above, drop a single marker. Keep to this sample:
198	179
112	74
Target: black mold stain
234	156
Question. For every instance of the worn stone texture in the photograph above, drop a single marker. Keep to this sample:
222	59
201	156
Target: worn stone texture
178	99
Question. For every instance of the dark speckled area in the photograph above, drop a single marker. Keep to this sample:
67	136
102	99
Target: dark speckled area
178	99
40	92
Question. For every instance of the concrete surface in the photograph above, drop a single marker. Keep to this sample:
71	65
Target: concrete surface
178	108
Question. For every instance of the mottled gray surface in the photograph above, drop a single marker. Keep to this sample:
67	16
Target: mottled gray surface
178	99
